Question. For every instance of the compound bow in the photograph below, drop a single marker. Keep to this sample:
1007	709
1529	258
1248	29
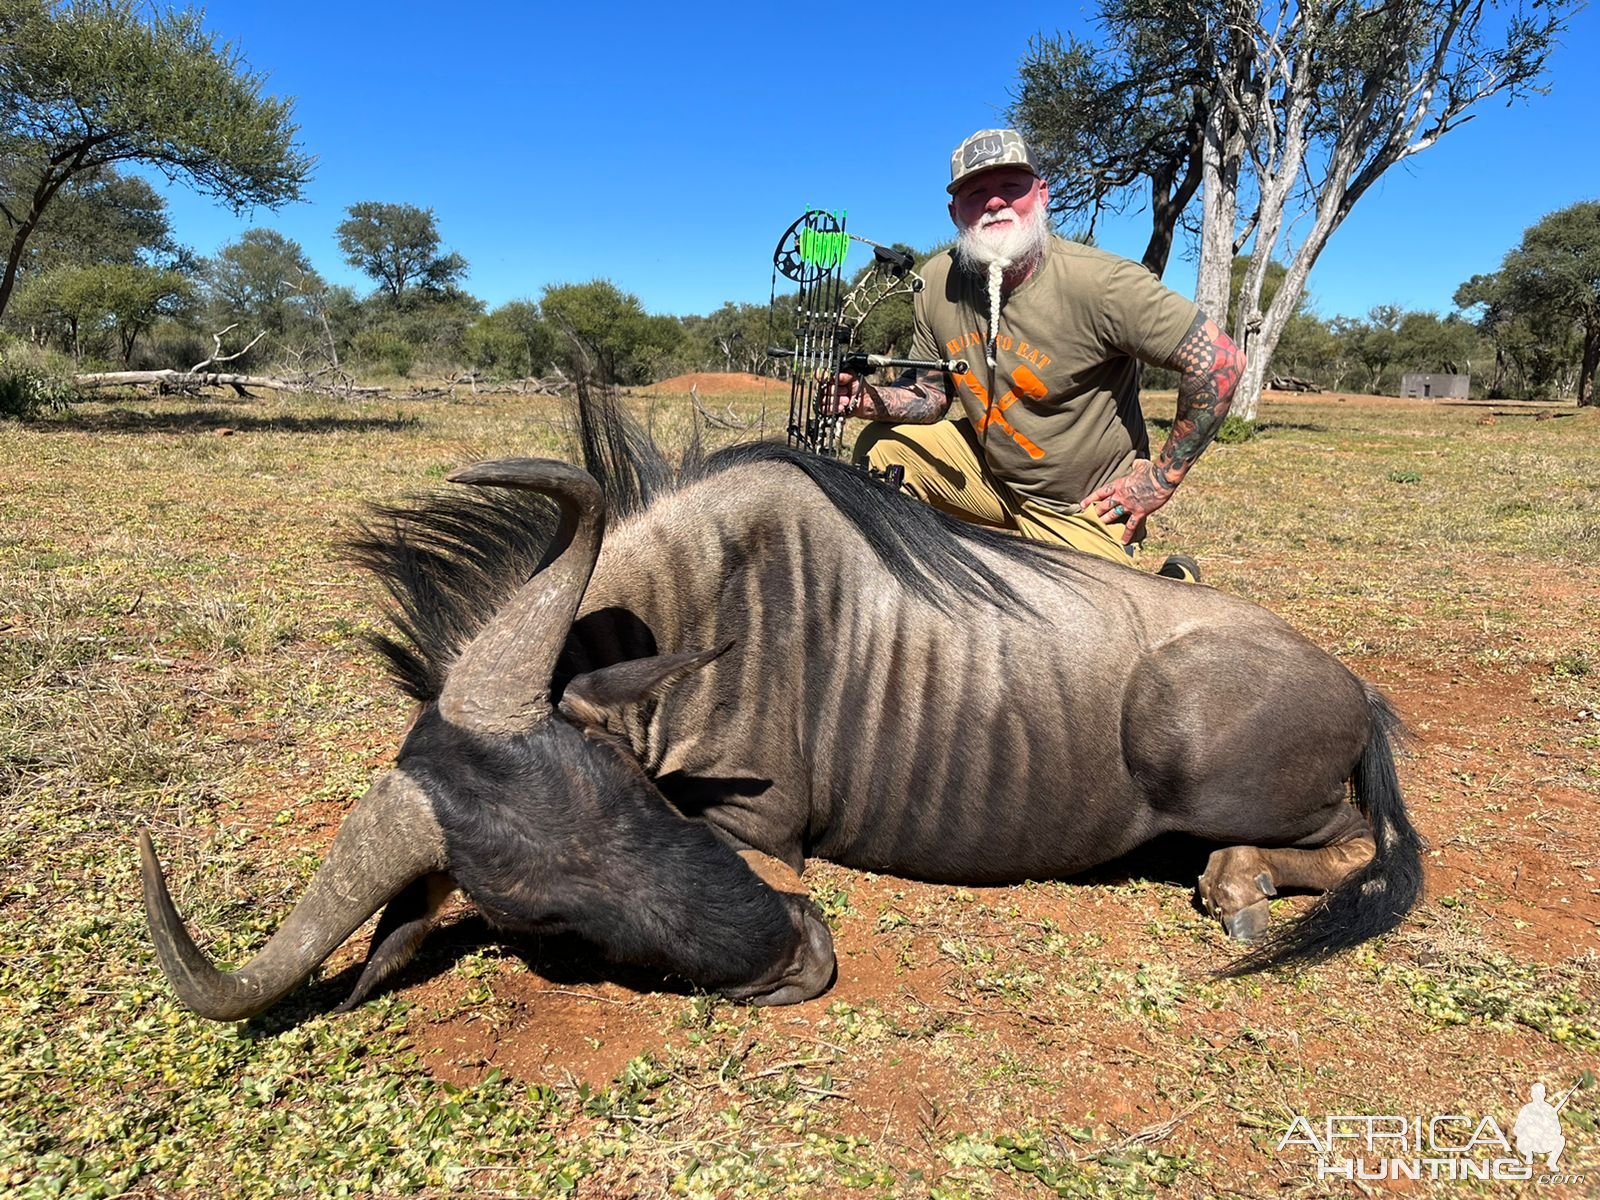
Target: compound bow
811	253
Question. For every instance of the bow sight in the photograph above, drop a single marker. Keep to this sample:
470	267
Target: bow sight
811	253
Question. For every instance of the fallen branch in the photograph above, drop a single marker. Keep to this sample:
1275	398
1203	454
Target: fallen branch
184	380
531	386
217	355
730	420
1291	383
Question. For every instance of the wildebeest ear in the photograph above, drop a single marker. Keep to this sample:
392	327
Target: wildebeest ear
590	697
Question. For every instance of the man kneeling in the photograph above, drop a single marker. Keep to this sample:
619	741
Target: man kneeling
1052	443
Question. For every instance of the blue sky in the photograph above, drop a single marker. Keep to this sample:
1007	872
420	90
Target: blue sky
666	147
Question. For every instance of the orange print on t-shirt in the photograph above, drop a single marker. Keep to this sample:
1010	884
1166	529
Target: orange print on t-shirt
1027	384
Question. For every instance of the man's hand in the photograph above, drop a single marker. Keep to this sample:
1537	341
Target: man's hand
1130	499
916	398
843	399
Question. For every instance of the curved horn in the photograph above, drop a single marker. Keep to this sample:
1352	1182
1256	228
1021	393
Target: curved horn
389	839
501	681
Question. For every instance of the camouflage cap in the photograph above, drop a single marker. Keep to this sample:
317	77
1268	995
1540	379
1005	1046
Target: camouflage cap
987	149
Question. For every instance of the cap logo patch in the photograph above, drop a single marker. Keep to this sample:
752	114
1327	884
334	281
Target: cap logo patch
982	150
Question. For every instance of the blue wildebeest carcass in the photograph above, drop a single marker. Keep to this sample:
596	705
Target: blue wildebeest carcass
769	652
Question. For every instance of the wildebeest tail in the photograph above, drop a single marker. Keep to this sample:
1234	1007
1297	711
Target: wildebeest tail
1374	899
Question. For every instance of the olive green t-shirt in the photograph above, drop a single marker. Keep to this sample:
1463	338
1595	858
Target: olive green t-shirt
1058	416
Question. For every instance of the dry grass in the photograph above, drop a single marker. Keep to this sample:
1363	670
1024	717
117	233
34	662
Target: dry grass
179	647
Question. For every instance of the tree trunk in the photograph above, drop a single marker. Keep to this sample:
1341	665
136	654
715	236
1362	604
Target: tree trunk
1170	193
19	242
1498	383
1330	212
1280	156
1591	359
1218	207
197	379
1163	219
8	279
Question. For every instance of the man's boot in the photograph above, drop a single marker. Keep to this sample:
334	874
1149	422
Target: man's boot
1180	566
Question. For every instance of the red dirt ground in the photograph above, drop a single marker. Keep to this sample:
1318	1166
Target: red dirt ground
709	383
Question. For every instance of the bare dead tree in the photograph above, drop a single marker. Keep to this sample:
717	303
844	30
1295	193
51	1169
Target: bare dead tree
329	373
1318	98
199	376
217	356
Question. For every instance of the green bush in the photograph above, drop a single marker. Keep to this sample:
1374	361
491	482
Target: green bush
1574	665
29	391
1236	430
380	347
171	344
501	353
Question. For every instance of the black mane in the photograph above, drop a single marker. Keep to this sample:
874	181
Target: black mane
932	554
450	560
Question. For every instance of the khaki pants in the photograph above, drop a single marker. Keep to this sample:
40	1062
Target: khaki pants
944	467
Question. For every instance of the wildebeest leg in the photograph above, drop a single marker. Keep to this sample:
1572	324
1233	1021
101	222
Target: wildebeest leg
405	922
1238	880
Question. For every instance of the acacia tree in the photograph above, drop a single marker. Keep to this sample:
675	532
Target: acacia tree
733	338
136	296
398	246
102	300
1549	283
94	83
1375	341
1336	94
1534	357
1308	103
102	216
265	281
513	340
608	333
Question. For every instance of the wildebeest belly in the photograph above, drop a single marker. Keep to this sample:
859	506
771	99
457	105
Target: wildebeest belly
980	745
981	813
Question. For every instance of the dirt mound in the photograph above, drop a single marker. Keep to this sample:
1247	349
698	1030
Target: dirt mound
717	383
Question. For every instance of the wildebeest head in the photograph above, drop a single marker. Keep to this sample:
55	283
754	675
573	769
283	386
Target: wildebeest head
545	820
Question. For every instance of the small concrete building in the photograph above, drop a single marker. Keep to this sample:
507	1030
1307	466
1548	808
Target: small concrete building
1435	387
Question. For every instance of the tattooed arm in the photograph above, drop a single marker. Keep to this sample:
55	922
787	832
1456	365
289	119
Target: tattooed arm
916	398
1209	366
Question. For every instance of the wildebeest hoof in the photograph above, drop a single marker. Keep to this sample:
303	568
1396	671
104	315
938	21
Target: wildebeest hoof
1250	922
1235	888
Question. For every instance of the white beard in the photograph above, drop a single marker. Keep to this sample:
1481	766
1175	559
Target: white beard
989	251
1004	239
